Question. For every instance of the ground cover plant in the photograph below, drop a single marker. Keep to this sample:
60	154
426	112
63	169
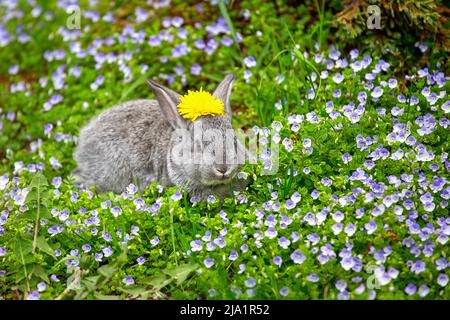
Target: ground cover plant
356	206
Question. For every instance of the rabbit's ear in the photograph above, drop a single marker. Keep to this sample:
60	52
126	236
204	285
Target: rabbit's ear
223	92
168	101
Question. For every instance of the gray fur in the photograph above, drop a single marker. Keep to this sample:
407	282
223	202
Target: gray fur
133	139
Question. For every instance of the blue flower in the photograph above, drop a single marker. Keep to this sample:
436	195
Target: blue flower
116	211
196	245
249	62
298	257
271	233
284	291
250	282
410	289
140	260
177	195
341	285
418	267
442	279
277	261
34	296
284	242
233	255
108	251
208	262
154	241
290	204
424	290
371	226
313	277
128	280
41	286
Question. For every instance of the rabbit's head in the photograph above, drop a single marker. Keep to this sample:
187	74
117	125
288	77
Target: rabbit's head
204	153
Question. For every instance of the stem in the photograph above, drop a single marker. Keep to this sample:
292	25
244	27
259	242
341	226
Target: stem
36	224
173	235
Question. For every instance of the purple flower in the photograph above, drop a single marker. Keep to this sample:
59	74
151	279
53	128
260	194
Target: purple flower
271	233
338	78
442	279
341	285
116	211
180	50
154	41
13	69
277	261
250	282
41	286
410	289
346	158
196	245
424	290
298	257
227	41
177	195
284	291
72	262
289	204
377	92
98	257
54	230
313	277
233	255
177	22
196	69
128	280
34	296
250	62
371	226
418	267
284	242
154	241
208	262
347	263
140	260
107	251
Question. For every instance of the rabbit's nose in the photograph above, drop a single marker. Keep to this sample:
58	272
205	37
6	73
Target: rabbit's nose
222	170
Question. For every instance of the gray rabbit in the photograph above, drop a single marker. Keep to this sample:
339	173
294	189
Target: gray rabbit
148	140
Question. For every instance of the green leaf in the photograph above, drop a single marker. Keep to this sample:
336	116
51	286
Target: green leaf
106	297
180	273
31	196
157	282
44	213
40	272
107	270
43	245
133	290
90	283
39	181
22	250
28	215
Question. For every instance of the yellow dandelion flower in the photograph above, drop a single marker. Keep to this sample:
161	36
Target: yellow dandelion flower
195	104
